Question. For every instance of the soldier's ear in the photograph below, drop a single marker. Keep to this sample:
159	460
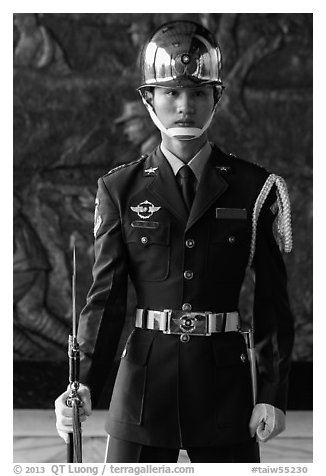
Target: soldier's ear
149	96
217	91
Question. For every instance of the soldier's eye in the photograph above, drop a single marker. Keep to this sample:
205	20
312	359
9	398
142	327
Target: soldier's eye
171	92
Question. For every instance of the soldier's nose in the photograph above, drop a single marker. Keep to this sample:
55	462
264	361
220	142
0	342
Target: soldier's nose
185	104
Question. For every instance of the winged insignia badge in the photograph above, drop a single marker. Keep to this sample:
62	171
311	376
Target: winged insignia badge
145	209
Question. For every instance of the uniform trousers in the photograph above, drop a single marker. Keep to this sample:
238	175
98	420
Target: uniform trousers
121	451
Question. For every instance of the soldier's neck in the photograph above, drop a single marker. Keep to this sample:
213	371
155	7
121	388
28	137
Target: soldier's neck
185	150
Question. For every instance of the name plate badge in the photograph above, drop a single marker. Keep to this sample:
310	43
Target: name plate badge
145	224
231	213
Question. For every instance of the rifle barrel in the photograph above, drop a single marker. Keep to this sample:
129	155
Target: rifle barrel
74	446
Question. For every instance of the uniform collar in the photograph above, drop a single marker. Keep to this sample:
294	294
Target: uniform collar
197	163
165	191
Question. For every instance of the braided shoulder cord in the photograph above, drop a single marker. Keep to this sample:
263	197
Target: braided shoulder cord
283	219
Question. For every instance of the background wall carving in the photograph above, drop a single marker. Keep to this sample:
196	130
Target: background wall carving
73	75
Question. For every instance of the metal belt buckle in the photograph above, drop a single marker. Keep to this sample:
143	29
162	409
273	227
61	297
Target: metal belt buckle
193	323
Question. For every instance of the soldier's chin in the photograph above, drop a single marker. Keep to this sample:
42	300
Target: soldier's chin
185	133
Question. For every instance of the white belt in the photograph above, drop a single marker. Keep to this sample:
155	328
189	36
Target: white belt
172	321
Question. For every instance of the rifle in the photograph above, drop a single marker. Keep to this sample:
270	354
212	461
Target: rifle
74	446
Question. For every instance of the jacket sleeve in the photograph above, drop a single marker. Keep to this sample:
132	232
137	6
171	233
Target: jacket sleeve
101	321
273	320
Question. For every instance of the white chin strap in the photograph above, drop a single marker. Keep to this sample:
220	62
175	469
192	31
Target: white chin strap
179	133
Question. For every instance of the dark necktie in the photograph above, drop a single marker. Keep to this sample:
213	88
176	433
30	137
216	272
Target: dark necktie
187	180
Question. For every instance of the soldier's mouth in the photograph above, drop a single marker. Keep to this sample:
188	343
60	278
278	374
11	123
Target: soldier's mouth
185	123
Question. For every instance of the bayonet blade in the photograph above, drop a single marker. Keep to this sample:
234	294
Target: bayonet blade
74	318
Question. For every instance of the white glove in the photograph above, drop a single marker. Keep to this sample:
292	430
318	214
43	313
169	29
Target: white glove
64	413
266	421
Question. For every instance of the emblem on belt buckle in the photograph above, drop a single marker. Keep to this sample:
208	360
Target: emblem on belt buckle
187	323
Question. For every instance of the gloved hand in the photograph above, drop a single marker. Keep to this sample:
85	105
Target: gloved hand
64	413
266	421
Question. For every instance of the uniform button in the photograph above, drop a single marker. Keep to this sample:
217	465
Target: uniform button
232	239
186	306
243	357
184	338
144	240
188	274
190	243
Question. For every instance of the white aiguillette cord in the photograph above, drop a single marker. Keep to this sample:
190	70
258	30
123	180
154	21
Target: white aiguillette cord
284	227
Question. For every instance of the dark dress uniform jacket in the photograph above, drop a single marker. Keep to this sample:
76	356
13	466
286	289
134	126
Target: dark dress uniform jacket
169	393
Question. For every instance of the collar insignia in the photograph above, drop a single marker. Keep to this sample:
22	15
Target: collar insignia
145	209
224	169
150	171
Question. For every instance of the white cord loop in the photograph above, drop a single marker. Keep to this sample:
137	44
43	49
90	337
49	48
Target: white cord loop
283	218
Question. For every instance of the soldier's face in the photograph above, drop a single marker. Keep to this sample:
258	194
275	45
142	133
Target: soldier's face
183	107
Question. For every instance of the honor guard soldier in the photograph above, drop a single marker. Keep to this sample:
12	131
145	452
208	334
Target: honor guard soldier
185	222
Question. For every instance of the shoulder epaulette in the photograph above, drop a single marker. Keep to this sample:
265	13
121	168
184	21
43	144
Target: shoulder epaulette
255	164
127	164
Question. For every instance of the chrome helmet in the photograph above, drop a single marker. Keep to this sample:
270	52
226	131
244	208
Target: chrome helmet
180	54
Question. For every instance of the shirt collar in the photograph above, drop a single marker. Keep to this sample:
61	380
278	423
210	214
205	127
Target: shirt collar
197	163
